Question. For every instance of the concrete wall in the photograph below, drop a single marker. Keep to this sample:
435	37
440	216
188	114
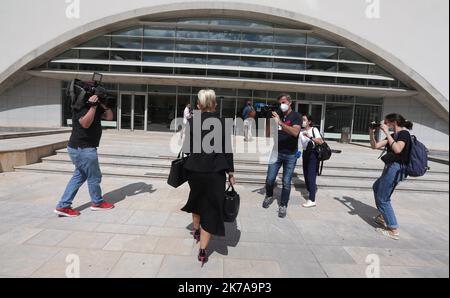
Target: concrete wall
431	130
36	102
415	32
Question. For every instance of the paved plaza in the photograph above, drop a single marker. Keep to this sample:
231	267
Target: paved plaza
147	235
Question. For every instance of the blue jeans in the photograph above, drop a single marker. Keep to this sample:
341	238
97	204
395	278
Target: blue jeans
86	168
310	170
288	161
383	189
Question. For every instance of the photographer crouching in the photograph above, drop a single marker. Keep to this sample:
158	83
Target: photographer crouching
82	148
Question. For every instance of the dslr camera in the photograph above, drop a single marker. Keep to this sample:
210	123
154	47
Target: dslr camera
374	125
80	92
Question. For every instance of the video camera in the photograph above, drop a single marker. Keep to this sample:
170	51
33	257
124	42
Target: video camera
80	92
266	110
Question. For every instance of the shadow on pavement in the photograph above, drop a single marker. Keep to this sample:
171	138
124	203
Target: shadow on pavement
120	194
364	211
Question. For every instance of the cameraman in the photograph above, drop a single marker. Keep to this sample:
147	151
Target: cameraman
289	126
82	148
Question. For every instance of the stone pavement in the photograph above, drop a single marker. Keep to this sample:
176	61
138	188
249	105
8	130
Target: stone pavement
146	235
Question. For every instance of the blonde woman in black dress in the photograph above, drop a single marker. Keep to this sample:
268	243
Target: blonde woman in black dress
207	170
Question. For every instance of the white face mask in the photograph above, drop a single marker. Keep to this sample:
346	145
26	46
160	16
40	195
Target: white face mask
305	124
284	107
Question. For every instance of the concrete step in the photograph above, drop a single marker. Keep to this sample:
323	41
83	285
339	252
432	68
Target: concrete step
361	166
241	169
254	179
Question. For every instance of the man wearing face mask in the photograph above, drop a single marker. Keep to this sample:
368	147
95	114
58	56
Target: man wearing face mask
289	126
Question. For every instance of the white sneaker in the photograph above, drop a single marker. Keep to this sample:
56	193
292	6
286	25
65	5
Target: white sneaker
309	204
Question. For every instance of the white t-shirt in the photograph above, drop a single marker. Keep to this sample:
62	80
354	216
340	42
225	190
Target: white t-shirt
186	115
305	140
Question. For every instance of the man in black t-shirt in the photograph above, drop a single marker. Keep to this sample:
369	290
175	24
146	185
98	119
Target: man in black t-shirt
82	148
289	126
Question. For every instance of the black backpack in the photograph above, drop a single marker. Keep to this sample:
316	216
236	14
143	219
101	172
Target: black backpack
323	152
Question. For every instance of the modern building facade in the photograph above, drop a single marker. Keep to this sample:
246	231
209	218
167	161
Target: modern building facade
154	61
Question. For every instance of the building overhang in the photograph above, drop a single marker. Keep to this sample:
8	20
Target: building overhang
224	82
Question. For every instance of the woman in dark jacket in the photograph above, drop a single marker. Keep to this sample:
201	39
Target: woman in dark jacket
210	160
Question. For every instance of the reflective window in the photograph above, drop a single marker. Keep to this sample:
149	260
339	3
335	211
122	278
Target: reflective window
289	64
134	31
191	71
190	59
99	55
225	35
256	62
158	57
155	44
331	80
290	51
192	46
322	53
99	42
321	66
288	77
194	34
352	81
223	60
127	42
222	73
299	38
365	115
256	50
338	117
126	56
258	37
231	48
159	32
346	54
126	68
70	54
353	68
313	39
93	67
157	70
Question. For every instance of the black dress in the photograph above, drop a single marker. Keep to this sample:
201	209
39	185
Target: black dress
207	175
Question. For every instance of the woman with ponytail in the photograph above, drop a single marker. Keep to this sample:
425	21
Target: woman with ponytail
397	144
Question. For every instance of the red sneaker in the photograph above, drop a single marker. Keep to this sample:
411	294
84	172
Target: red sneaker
102	206
67	212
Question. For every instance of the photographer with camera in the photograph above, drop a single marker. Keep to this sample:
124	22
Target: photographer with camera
289	126
397	145
82	148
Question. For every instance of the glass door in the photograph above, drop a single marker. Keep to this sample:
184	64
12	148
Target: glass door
125	108
140	104
133	111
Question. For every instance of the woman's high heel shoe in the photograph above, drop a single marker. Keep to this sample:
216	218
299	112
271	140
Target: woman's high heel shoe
202	257
196	234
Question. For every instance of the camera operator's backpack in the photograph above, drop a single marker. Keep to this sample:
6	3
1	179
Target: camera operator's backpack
418	159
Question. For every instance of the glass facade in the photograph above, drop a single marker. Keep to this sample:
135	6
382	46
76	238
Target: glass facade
225	48
153	107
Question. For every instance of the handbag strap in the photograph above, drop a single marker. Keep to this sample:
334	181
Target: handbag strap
230	186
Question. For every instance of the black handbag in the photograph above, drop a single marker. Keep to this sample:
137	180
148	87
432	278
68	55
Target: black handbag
178	174
231	204
324	153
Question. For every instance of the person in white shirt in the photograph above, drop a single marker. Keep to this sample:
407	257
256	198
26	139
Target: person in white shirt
309	138
187	114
